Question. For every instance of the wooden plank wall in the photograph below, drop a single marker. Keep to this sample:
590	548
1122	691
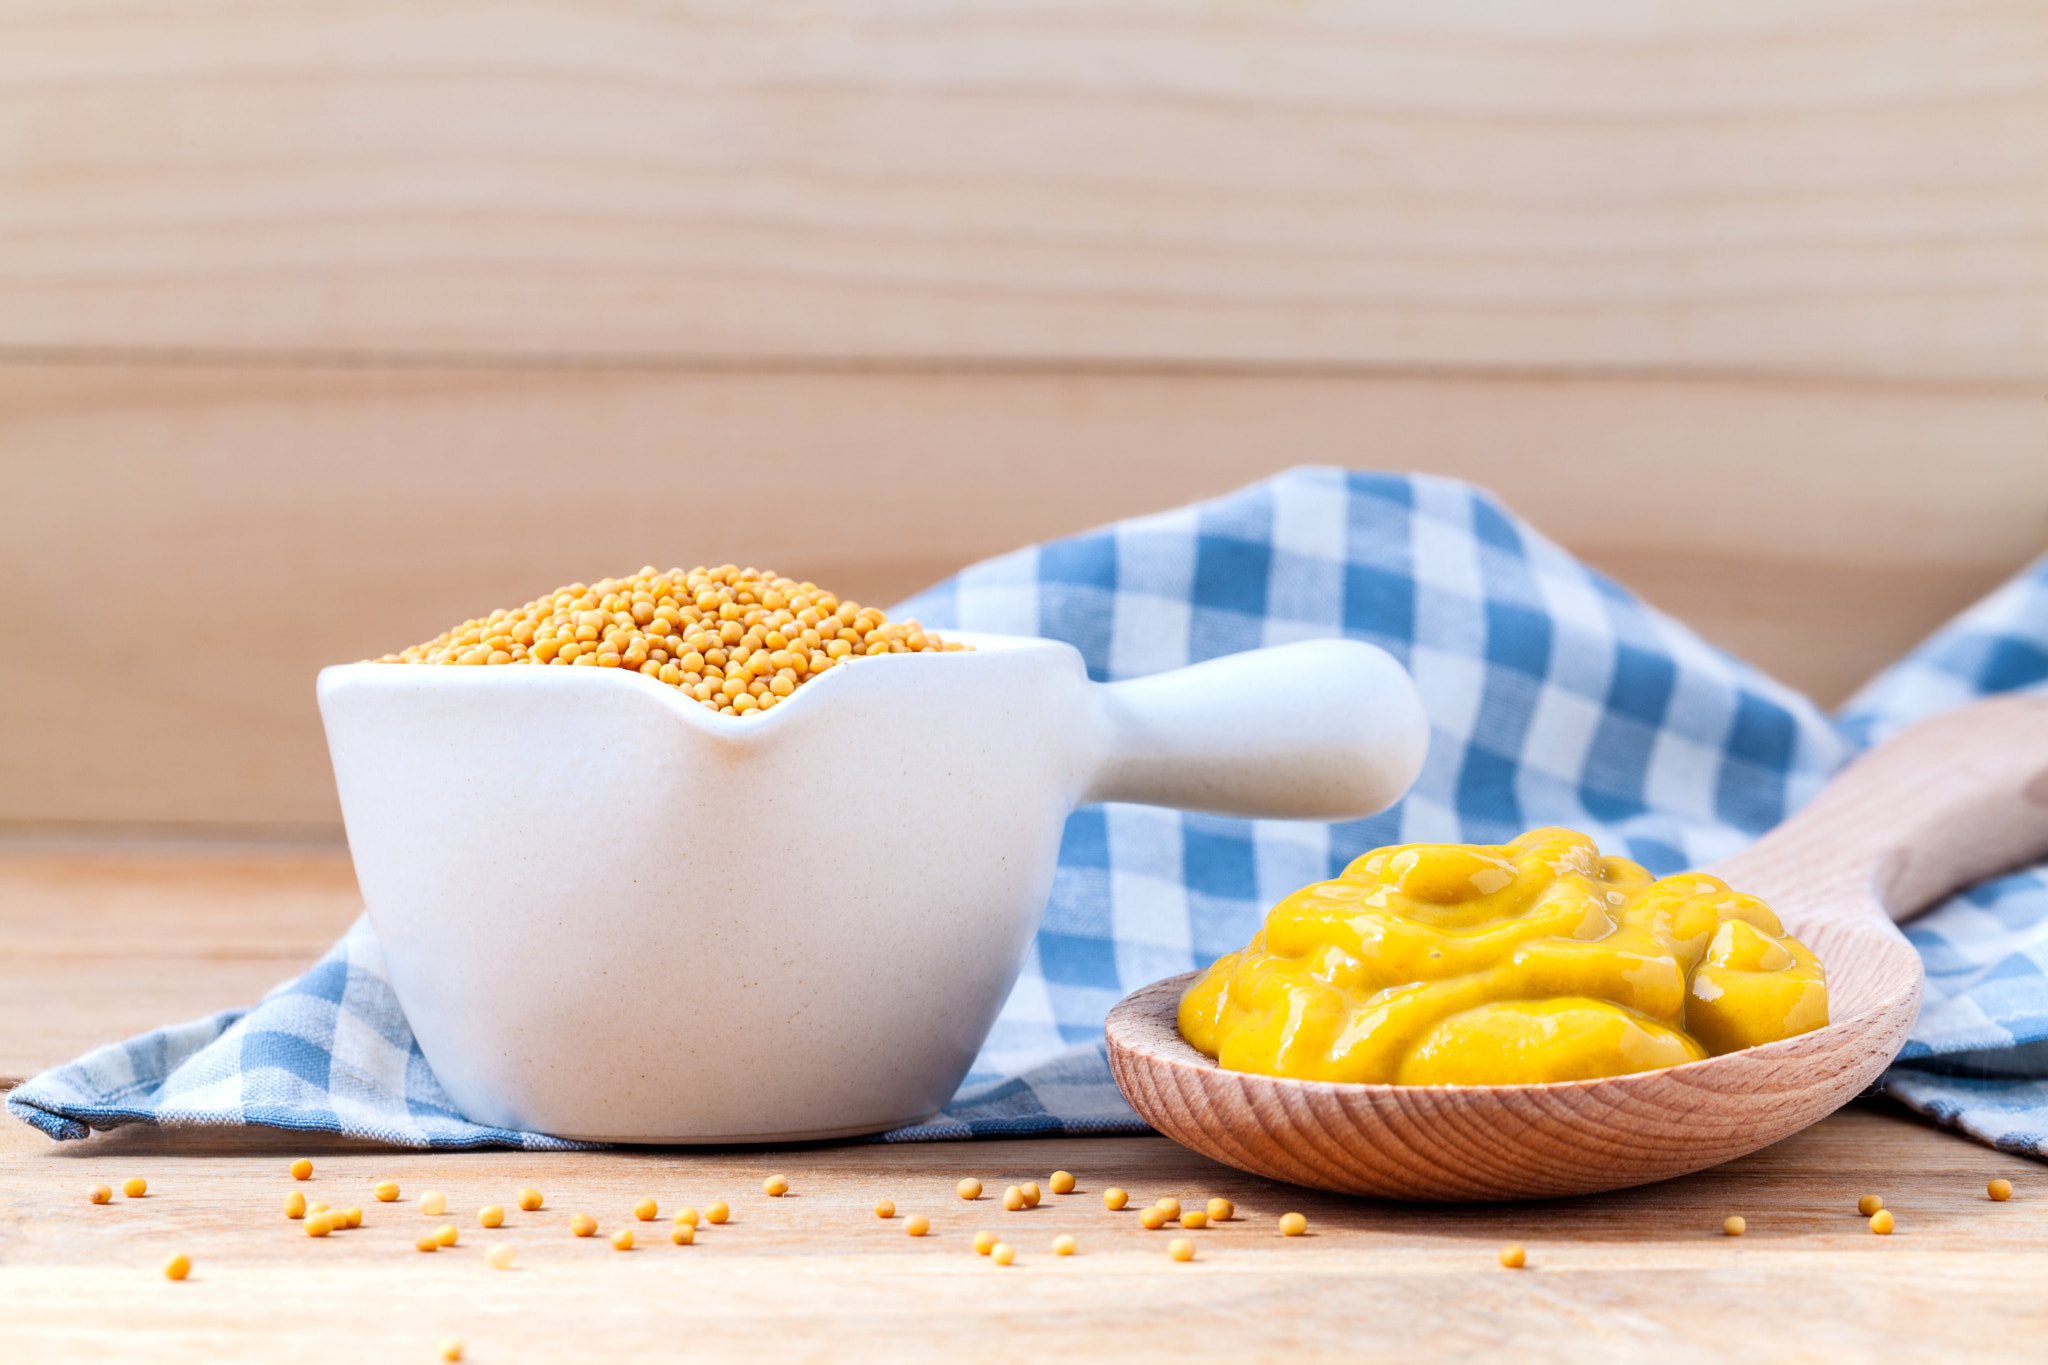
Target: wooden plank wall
325	324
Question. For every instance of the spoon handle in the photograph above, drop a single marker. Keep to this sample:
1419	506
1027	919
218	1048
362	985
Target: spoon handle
1950	801
1318	729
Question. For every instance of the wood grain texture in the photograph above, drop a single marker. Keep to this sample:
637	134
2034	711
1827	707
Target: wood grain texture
268	520
1948	802
1819	187
816	1276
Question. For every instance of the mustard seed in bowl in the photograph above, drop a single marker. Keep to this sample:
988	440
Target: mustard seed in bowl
737	640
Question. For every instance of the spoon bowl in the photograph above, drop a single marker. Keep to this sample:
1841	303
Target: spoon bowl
1948	802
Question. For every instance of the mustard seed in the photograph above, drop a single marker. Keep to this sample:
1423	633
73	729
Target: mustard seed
427	1243
1882	1223
1869	1204
295	1205
99	1194
491	1216
682	1234
917	1225
1292	1225
1031	1193
1181	1249
775	1186
433	1203
446	1234
1002	1253
1194	1220
2000	1190
319	1224
1513	1257
316	1207
1734	1225
1169	1207
884	1209
528	1198
302	1169
178	1267
622	1240
969	1188
1221	1210
135	1187
451	1349
687	1216
717	1212
983	1241
501	1255
1013	1199
1063	1245
1062	1182
645	1210
1153	1218
386	1192
1114	1198
355	1218
583	1225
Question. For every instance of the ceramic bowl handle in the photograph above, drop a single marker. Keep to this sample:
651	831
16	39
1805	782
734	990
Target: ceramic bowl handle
1319	730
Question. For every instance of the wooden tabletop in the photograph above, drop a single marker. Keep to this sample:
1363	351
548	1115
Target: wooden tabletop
89	947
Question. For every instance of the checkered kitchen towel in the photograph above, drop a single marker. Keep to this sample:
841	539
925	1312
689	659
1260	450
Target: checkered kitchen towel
1554	696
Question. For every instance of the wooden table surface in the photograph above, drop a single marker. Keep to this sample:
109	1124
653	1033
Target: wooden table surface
92	948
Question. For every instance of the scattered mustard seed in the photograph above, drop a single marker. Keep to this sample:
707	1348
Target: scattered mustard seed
501	1255
433	1203
2000	1190
884	1209
1153	1218
1063	1245
775	1186
622	1240
970	1188
717	1212
295	1205
302	1169
1221	1210
135	1187
451	1349
645	1210
1114	1198
1292	1224
1181	1249
1513	1257
1869	1204
1734	1225
316	1207
427	1243
491	1216
1169	1207
1881	1222
1194	1220
446	1234
682	1234
355	1218
983	1241
917	1225
1013	1199
528	1198
1032	1194
319	1224
1062	1182
178	1267
687	1216
1002	1253
99	1194
386	1192
583	1225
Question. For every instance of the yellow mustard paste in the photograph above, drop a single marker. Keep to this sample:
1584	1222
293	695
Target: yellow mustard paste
1537	960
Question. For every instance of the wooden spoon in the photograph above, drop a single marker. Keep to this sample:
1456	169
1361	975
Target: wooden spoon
1948	802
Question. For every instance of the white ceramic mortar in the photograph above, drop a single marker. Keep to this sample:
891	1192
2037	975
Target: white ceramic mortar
610	913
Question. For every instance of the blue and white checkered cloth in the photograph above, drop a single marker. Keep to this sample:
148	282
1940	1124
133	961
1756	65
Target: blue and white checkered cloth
1555	697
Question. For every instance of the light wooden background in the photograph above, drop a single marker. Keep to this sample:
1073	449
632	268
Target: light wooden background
325	324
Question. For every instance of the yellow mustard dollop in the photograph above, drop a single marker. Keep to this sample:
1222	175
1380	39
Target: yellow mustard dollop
1531	961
